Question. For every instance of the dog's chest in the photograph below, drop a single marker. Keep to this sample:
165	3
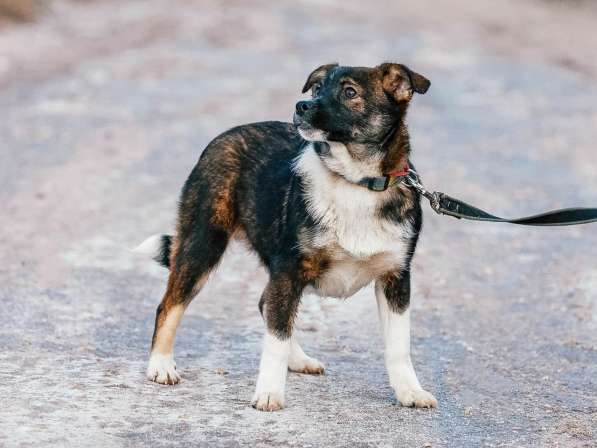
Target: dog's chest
359	243
346	274
359	251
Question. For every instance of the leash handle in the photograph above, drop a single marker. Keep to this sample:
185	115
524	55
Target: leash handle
444	204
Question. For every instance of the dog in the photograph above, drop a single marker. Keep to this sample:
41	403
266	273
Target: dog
324	205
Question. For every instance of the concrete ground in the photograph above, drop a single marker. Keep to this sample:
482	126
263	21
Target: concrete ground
107	105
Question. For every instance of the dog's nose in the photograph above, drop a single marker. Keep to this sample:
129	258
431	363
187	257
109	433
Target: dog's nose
304	106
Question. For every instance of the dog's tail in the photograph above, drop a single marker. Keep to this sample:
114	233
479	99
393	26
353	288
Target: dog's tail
157	247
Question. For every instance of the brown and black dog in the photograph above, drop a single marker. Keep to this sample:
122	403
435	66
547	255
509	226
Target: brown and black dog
321	203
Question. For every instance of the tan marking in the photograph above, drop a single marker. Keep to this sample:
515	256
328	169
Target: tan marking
313	265
397	154
172	310
346	274
356	104
310	370
198	286
166	332
389	78
223	207
396	82
174	247
299	362
408	199
317	75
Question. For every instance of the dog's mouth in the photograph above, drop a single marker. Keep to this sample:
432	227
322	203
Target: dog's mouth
307	131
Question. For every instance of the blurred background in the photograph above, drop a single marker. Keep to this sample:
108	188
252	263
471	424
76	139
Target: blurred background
106	106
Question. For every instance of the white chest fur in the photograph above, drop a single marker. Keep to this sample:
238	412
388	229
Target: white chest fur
362	245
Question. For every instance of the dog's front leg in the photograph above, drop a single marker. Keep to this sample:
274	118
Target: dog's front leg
393	298
278	305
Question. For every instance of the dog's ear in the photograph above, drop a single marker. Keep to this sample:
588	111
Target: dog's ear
400	81
317	75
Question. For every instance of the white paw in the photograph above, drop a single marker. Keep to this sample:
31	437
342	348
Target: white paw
162	369
268	401
416	398
306	364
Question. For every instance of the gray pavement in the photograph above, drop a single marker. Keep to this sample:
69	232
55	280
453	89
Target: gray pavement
107	105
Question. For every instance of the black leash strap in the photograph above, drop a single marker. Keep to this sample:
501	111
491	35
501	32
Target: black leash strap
443	204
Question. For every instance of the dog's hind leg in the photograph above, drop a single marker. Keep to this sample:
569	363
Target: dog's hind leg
279	305
192	260
393	298
300	362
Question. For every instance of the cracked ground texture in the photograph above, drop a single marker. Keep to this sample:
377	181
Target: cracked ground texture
107	105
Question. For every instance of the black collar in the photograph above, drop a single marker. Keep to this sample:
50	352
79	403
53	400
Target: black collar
378	183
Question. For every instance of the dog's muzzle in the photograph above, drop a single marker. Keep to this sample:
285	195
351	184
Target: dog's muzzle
302	120
302	107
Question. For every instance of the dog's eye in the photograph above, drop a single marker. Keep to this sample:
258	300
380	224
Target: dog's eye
316	89
350	93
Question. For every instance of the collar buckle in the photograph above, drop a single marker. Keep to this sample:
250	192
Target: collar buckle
380	183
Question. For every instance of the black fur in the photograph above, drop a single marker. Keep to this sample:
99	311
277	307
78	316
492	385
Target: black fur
163	256
244	184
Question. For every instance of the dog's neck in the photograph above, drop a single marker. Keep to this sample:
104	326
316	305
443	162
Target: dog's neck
354	161
397	150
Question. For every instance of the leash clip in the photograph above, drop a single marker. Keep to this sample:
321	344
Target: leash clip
443	204
412	179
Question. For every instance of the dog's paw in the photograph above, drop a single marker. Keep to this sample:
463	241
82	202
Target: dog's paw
162	369
268	401
416	398
306	365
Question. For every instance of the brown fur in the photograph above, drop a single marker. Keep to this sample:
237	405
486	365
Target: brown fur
281	294
249	182
176	295
357	104
396	286
314	265
310	370
318	75
408	199
396	82
223	206
397	154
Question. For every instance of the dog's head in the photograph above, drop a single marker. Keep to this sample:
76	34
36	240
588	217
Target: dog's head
356	104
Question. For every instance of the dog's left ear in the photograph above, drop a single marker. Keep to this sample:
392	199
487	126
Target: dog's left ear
400	81
317	75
